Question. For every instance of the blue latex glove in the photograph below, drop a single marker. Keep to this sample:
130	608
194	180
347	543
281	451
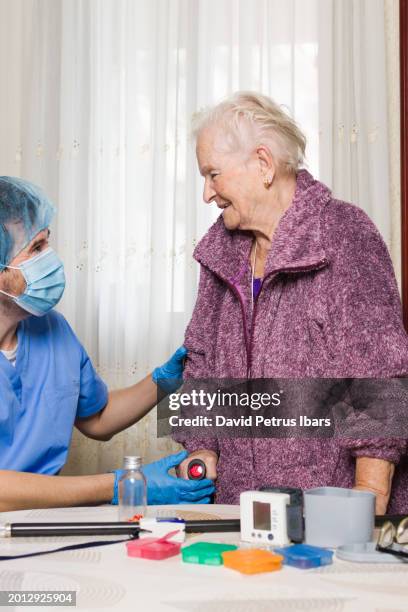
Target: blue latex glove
115	498
165	489
169	376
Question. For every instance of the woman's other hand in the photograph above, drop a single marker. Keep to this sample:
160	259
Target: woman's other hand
375	475
209	457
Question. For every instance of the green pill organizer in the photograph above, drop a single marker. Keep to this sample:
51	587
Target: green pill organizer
205	553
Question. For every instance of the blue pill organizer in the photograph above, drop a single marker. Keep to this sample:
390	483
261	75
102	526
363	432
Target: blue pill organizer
304	556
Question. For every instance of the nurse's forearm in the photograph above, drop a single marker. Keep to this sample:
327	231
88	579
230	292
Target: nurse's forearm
124	408
22	490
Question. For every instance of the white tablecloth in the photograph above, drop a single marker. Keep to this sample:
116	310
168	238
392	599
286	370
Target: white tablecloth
106	578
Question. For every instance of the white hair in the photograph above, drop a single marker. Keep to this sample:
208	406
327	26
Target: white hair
250	119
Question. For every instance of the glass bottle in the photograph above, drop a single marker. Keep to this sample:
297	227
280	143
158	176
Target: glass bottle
132	490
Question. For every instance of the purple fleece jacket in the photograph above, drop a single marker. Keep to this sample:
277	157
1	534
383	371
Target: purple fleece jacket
329	307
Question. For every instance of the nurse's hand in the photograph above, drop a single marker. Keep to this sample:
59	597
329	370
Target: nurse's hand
169	376
210	459
165	489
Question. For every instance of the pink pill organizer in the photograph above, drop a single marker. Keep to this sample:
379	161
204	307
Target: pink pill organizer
154	548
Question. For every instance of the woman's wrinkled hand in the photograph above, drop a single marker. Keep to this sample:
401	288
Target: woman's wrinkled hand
375	475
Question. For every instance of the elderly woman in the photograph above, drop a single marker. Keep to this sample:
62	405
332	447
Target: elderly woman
293	284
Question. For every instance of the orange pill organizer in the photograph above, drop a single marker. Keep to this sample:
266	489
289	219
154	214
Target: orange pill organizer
252	561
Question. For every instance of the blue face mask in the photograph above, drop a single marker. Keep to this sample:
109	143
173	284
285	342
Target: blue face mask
45	283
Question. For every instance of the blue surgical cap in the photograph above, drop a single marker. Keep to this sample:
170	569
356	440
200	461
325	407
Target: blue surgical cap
24	211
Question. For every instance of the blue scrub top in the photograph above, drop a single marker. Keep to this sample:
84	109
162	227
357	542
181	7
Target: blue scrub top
52	384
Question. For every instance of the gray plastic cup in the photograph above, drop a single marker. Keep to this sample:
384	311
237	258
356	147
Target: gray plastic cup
335	516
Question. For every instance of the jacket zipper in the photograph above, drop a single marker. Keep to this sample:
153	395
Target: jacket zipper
243	313
317	266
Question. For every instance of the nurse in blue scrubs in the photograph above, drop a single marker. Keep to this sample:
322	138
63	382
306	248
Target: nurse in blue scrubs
48	383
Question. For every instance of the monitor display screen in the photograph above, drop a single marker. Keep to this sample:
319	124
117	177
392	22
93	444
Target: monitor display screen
262	516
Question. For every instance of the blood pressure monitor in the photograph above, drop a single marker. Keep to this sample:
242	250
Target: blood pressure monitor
264	517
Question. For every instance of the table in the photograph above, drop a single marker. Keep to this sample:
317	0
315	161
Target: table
105	578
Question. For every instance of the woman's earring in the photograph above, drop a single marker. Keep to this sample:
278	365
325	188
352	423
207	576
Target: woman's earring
267	181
